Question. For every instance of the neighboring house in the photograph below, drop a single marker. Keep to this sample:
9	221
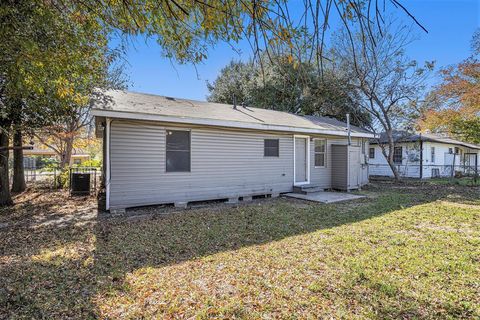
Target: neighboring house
424	156
168	150
30	161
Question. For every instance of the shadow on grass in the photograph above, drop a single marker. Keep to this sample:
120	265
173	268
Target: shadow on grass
171	239
57	272
37	206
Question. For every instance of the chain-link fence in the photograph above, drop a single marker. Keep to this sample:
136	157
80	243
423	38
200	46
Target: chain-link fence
53	177
41	177
426	171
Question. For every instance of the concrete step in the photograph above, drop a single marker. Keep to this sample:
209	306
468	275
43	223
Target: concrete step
307	188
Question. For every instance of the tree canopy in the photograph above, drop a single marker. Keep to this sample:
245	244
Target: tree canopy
289	86
455	108
187	29
49	64
387	81
49	61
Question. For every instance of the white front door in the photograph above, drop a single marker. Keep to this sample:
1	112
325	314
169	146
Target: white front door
301	160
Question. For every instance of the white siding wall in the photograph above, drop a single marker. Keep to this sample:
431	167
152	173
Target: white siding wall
223	164
410	166
443	159
379	166
322	176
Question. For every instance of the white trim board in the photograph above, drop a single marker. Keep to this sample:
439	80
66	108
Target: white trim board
107	163
307	156
223	123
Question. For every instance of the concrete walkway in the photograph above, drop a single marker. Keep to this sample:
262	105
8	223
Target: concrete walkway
325	197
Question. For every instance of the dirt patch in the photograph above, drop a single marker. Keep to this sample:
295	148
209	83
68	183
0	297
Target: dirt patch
43	207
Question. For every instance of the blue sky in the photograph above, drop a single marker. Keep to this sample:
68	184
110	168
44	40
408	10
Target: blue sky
450	23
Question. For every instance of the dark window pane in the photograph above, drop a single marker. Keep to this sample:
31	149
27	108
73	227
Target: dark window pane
320	160
178	151
397	155
271	147
271	143
372	153
271	152
178	140
178	161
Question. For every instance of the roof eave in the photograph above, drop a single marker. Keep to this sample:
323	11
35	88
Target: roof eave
222	123
459	143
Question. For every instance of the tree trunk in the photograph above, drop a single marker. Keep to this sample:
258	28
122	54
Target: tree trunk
5	196
391	149
18	184
67	154
396	175
389	155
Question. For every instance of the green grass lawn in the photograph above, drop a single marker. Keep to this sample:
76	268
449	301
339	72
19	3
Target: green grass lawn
409	251
465	181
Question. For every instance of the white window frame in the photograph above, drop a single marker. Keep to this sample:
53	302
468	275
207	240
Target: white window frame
433	155
324	153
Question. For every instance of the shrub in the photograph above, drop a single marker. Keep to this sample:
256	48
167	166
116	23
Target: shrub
91	163
63	179
458	174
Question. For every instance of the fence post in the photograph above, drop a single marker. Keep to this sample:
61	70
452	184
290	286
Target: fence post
475	175
421	157
453	165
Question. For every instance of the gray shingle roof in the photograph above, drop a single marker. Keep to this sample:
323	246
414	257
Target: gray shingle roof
333	123
132	105
404	136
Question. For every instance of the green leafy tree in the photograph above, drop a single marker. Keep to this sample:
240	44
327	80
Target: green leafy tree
187	29
235	79
387	81
51	51
49	64
456	108
285	85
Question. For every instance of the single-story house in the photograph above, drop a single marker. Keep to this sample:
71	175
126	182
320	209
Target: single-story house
167	150
30	156
424	155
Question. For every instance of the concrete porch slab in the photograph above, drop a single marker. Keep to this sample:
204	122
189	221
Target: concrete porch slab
325	197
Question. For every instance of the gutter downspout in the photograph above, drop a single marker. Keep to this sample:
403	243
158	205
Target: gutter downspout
421	157
453	164
107	163
349	131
